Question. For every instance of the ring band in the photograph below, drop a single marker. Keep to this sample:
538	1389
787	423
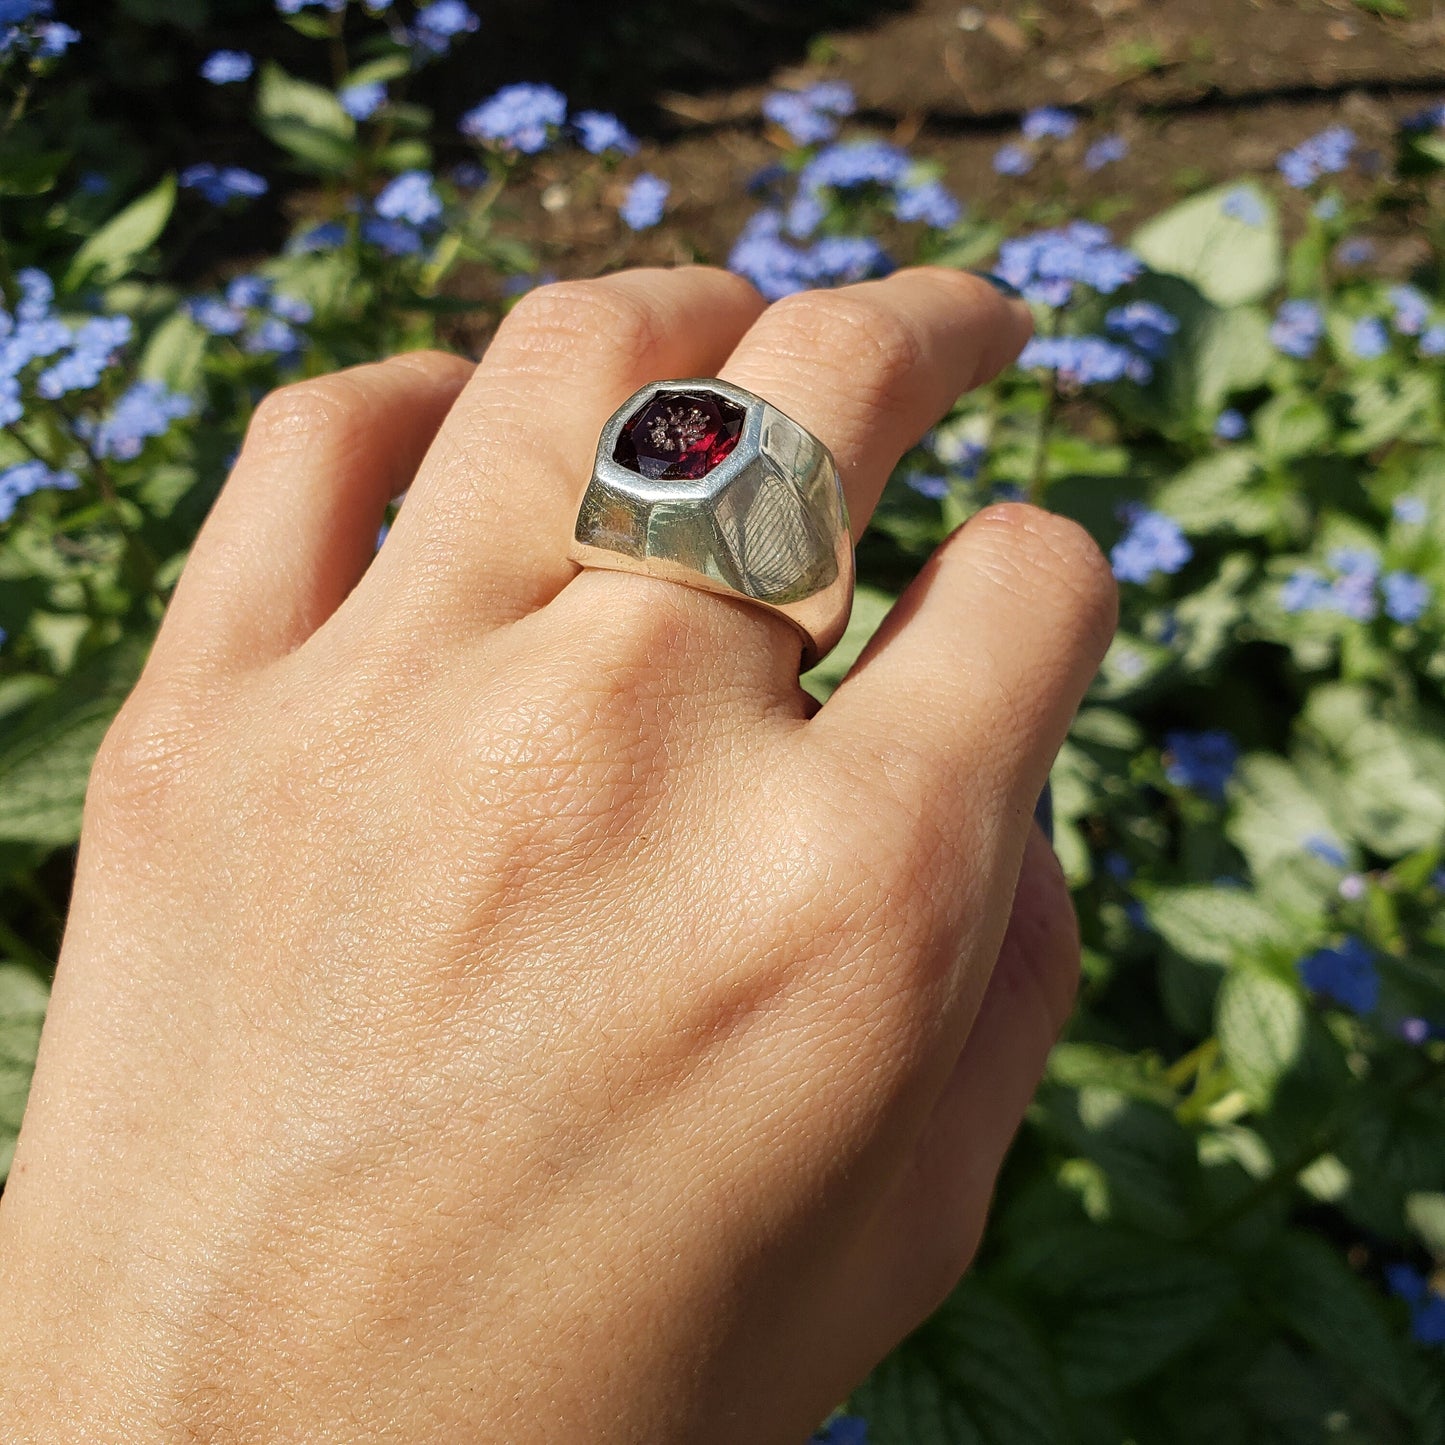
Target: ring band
704	483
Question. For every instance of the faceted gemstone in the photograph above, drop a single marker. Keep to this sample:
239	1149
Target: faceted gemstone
680	436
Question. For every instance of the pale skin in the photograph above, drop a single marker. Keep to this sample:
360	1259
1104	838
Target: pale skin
497	1004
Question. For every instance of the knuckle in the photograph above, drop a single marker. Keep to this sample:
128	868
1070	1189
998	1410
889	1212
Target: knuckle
870	340
440	368
1033	544
293	416
571	315
148	754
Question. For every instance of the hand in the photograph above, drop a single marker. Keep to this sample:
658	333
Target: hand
495	1006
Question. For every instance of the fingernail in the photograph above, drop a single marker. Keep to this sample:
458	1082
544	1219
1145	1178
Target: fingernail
1004	288
1044	812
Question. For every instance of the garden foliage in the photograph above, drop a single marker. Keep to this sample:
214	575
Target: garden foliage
1225	1217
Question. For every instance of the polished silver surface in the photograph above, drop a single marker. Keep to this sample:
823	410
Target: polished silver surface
768	523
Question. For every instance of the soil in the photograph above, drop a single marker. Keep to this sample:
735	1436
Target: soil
1201	92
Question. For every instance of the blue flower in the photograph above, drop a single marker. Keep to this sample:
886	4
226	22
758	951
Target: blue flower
411	197
851	164
1406	596
1152	544
216	317
805	214
247	292
928	484
1431	118
1412	511
845	1430
324	237
25	478
1412	310
222	184
643	205
362	99
1230	425
1352	594
1324	154
1369	338
601	133
1048	120
1145	326
1327	208
438	24
1013	160
1432	341
271	336
92	350
1307	590
1201	761
1243	204
295	7
1297	328
930	202
1105	152
1355	251
292	309
1345	974
846	259
810	116
1084	360
146	410
521	117
1046	265
1326	849
395	238
771	263
227	67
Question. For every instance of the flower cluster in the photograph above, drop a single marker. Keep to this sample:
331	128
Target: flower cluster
27	28
1046	266
220	185
1153	545
521	117
26	478
811	116
1325	154
253	309
75	357
1355	588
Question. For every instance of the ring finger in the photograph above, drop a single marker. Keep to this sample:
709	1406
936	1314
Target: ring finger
868	369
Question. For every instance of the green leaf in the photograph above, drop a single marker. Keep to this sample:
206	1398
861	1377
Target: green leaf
175	353
1392	773
114	249
306	120
1132	1303
870	607
45	760
973	1375
25	172
1230	260
1303	1281
1260	1023
1217	925
1275	811
23	1000
1219	494
1290	425
1386	409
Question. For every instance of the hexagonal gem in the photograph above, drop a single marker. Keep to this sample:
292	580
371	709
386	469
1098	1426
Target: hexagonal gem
680	436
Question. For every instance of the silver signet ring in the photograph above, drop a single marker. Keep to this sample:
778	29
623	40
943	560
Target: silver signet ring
703	483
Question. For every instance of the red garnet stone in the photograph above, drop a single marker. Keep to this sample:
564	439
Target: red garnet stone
680	436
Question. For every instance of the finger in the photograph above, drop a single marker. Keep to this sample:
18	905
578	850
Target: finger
868	369
484	535
296	524
930	1229
975	675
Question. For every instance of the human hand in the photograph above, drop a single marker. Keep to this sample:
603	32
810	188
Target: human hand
495	1007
